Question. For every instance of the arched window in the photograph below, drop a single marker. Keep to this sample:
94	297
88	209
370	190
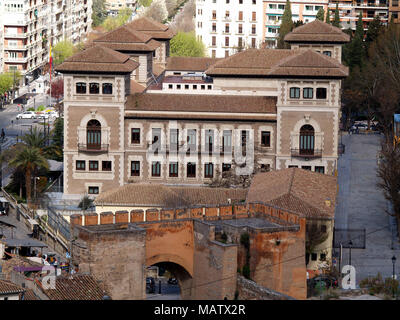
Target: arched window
107	88
94	88
81	88
307	140
93	130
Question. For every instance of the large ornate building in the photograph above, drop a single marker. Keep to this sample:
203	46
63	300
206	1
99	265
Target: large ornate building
195	118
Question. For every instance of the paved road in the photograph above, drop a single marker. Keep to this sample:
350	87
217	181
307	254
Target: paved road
362	205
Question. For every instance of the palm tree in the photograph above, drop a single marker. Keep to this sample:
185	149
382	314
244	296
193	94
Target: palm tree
29	159
34	138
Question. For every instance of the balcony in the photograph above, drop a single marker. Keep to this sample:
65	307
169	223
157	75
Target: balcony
15	35
93	148
16	60
301	153
23	47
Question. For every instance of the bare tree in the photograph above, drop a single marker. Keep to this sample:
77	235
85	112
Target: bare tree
184	20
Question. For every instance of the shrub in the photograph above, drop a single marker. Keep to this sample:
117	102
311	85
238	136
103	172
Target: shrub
85	203
31	109
40	108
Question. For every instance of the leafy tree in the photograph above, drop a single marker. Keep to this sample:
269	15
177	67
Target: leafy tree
374	29
145	3
34	139
85	203
286	26
6	82
336	19
112	23
63	50
185	44
99	12
57	88
58	132
157	11
355	51
29	160
320	14
298	23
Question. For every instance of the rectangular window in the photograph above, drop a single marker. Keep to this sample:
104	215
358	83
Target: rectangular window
240	15
253	29
156	138
265	138
81	88
93	165
226	41
240	29
80	165
156	169
214	40
178	86
293	166
227	141
327	53
314	256
226	167
209	140
106	165
226	14
191	170
308	93
214	27
195	87
240	1
294	93
135	168
253	16
320	169
306	168
214	14
227	28
186	86
240	42
322	257
93	190
208	170
253	42
107	88
281	6
173	169
135	137
244	140
321	93
170	86
265	167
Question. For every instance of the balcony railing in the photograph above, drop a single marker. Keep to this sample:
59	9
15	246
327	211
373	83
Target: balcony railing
306	153
83	147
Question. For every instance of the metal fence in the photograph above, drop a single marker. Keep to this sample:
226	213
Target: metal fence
342	237
58	223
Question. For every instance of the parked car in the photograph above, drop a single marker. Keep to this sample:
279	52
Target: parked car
323	281
42	115
359	127
26	115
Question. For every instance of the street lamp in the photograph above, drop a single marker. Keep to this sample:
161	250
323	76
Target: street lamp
394	272
350	244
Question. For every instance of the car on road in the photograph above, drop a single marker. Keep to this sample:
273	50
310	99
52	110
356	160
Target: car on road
42	115
26	115
323	281
172	281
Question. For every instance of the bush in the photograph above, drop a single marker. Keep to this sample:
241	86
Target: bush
40	108
31	109
85	203
377	285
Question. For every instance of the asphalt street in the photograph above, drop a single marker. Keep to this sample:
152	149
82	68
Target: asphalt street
361	204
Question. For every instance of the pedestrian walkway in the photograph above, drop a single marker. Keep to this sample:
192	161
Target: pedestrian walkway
361	204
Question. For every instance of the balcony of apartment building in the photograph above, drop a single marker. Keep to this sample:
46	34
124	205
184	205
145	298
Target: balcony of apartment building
93	138
15	59
371	4
307	143
15	47
12	33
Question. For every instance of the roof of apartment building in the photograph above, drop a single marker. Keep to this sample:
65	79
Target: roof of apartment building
127	39
278	63
7	287
201	103
190	63
76	287
317	31
309	194
152	28
98	59
159	195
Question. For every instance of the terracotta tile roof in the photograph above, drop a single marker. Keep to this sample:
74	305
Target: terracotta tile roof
201	103
317	31
151	28
7	287
307	193
127	39
136	87
190	63
159	195
278	63
76	287
98	59
310	63
157	69
30	295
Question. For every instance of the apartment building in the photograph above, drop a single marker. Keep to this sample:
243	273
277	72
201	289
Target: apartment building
302	10
113	6
266	109
349	12
29	26
229	26
394	10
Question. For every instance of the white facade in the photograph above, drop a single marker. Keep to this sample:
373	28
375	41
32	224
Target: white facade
225	26
304	10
